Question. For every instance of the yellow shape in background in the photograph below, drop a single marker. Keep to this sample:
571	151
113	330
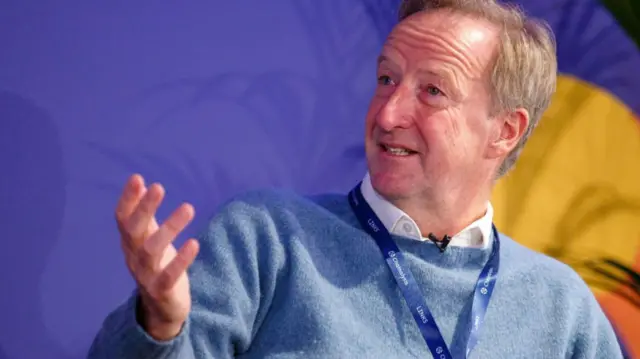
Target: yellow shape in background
575	191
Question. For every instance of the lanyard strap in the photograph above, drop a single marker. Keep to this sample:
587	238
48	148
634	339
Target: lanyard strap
408	286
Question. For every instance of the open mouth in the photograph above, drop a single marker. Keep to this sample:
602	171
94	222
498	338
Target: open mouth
397	151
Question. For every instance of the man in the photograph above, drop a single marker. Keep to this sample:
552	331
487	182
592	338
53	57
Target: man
375	274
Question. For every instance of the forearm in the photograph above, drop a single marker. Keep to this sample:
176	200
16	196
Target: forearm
231	284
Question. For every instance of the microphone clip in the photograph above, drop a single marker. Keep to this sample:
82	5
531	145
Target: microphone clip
441	244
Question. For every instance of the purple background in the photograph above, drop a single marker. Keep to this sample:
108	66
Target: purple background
209	98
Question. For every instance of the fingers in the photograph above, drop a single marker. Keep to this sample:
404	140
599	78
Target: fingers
131	194
156	244
145	244
172	272
138	223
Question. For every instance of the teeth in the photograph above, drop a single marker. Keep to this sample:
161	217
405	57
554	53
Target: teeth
397	151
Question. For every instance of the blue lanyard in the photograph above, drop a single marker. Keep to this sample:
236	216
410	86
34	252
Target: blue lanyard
413	295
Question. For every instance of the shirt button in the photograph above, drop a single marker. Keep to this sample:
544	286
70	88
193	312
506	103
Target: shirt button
407	228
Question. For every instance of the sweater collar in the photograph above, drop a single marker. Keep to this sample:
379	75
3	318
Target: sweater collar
396	221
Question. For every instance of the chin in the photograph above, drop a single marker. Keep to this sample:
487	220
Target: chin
392	185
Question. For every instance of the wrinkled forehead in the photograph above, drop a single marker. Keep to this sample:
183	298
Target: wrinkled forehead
445	31
446	20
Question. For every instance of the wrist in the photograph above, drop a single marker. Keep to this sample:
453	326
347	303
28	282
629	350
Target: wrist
163	332
159	330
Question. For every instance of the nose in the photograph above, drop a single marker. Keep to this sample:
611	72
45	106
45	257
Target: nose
398	111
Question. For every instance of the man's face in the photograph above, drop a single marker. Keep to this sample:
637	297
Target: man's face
428	127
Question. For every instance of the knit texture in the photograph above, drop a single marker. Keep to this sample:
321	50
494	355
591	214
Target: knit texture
285	276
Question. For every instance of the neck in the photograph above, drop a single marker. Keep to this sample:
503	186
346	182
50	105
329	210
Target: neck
445	216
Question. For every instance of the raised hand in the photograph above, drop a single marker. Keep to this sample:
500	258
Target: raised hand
158	268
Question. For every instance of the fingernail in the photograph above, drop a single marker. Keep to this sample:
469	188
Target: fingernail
188	209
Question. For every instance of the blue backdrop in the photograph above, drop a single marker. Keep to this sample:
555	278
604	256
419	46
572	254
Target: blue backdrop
209	98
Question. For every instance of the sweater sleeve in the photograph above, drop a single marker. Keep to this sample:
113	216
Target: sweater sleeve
232	282
593	336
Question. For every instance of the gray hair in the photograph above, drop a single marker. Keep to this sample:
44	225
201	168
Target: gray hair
525	68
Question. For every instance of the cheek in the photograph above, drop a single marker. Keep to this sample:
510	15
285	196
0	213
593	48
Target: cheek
480	130
435	130
447	139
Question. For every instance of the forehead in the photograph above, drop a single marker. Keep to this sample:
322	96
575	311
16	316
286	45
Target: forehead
459	42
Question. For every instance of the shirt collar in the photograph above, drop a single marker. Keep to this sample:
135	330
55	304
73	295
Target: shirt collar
396	221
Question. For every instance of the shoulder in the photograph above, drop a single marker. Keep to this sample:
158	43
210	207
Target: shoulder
542	272
254	226
557	292
551	286
268	222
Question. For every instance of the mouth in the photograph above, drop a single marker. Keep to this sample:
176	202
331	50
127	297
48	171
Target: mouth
395	150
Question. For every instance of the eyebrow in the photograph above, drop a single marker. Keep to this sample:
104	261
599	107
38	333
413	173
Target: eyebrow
383	58
447	76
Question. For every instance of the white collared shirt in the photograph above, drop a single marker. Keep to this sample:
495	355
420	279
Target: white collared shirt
477	234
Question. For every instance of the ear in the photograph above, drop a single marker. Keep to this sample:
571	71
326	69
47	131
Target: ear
510	127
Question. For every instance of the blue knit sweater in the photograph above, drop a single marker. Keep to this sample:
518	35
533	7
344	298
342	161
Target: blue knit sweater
282	276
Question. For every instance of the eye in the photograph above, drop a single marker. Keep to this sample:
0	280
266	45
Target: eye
433	91
385	80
